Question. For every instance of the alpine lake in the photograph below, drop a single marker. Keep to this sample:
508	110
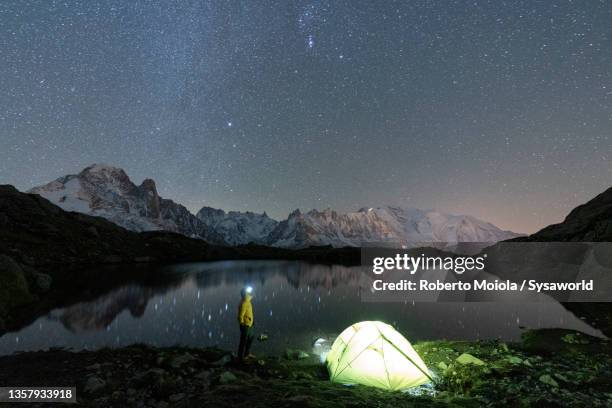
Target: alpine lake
295	303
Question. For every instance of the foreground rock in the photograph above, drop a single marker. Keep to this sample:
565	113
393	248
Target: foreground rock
14	288
520	375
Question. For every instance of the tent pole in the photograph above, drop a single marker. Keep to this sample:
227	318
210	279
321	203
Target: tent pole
405	355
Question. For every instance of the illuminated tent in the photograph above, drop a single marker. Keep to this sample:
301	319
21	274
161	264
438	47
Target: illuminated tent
374	354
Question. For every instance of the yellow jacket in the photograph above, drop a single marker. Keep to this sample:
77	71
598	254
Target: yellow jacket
245	312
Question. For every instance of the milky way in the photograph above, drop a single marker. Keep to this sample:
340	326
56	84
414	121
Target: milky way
502	110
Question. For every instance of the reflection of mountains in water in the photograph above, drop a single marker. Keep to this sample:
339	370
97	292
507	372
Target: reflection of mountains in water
103	310
297	274
134	297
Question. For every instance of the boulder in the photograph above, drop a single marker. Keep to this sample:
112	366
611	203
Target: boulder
466	359
94	384
547	379
152	376
177	397
227	377
42	282
14	288
204	376
514	360
295	354
181	360
226	359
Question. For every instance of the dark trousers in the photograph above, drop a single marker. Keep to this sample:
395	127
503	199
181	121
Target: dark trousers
246	339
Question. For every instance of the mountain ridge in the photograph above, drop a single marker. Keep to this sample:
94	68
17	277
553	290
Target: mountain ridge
238	228
107	191
588	222
383	226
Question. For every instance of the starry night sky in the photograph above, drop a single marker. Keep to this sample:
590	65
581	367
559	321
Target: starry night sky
502	110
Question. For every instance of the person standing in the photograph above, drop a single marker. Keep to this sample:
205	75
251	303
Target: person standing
245	320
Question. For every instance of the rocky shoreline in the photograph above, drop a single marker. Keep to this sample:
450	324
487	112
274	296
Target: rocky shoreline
550	367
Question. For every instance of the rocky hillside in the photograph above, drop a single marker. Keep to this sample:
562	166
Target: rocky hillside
36	232
589	222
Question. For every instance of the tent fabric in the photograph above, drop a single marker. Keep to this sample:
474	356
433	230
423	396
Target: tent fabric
375	354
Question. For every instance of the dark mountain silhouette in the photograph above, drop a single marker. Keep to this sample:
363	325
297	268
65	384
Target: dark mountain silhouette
589	222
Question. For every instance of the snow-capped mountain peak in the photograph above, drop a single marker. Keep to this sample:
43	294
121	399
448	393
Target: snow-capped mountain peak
382	226
108	192
238	228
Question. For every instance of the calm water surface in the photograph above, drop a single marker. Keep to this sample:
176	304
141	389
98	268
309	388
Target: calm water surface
295	303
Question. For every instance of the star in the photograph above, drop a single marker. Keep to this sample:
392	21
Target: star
324	101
